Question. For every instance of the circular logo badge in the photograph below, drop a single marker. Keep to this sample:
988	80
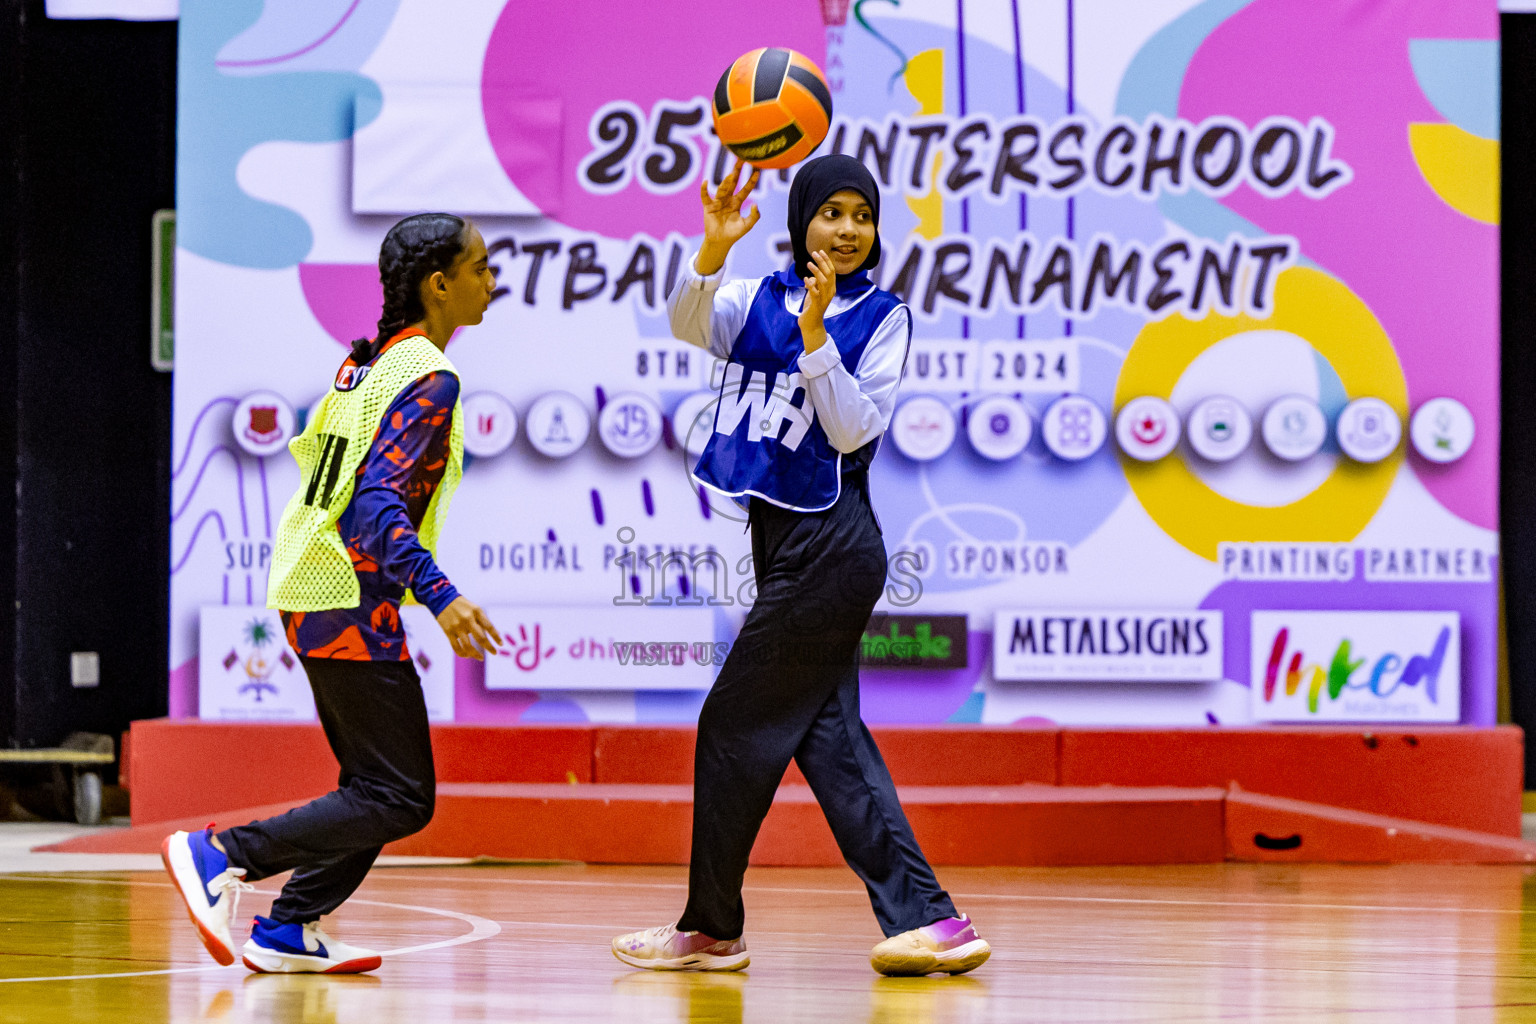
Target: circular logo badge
558	424
1369	430
1147	428
1294	428
1442	430
693	421
998	427
1219	429
1074	428
263	423
490	424
629	425
923	428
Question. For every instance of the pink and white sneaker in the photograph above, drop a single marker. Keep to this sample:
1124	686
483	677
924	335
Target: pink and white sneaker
667	949
950	946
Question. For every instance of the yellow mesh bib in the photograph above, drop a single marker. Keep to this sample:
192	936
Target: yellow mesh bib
310	568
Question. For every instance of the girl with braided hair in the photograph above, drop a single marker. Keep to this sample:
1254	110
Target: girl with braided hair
379	461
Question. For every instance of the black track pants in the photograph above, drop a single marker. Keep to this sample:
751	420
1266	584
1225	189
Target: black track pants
375	717
790	689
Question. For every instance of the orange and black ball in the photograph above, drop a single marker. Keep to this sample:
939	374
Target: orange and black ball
772	107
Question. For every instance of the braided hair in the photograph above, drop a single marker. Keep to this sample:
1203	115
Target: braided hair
413	251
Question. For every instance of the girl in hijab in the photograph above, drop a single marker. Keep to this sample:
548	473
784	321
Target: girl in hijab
814	355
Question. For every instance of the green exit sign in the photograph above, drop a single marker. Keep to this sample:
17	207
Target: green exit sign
162	295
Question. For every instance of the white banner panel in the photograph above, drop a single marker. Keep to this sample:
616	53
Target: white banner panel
246	670
1354	666
124	10
434	659
619	648
1155	645
429	151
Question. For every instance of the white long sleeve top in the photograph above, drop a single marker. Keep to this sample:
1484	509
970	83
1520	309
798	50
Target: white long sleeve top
852	408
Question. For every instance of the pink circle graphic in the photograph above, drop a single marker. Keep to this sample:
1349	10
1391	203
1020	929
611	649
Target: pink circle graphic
549	67
1374	233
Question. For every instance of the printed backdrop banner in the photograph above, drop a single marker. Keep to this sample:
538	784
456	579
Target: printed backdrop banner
123	10
1205	298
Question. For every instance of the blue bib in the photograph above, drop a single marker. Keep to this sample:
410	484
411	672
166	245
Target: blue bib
766	440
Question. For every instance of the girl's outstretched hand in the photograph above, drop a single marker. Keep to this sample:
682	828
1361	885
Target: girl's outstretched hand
469	629
819	289
724	222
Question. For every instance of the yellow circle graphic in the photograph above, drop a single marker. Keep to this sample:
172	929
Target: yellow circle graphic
1326	314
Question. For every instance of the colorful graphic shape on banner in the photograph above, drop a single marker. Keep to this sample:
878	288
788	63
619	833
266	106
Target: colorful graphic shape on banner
1126	235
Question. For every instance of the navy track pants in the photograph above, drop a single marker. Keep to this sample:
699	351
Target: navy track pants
789	689
375	718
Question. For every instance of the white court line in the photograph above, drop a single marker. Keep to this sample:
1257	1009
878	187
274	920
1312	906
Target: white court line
480	928
1008	896
117	974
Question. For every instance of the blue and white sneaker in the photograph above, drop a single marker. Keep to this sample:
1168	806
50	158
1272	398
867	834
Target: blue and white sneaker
276	948
209	886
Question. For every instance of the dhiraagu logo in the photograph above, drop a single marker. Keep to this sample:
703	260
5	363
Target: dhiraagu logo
1356	666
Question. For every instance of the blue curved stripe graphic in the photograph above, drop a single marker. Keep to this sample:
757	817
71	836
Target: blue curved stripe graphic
1460	77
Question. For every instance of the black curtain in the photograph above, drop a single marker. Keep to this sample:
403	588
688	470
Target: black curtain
1517	469
89	152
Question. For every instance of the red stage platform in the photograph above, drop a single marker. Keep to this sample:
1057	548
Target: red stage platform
976	794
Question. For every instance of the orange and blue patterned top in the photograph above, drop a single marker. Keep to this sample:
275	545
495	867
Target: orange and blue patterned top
395	484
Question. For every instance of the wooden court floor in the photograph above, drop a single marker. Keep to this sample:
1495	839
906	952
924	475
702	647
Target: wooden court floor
1267	943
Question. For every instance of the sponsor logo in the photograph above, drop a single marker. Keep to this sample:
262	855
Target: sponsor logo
1369	430
1140	644
1294	428
629	425
262	427
923	428
1147	428
490	424
998	427
630	648
1356	666
1442	430
1074	428
914	641
769	144
351	376
1219	429
245	668
263	422
558	425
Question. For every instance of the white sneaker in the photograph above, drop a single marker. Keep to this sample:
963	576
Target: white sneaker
208	885
275	948
950	946
667	949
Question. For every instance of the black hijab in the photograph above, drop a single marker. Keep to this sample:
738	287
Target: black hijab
816	182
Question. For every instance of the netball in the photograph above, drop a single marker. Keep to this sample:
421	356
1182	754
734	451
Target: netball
772	107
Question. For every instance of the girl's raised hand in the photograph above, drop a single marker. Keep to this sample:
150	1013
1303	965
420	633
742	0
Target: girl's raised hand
820	287
724	222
